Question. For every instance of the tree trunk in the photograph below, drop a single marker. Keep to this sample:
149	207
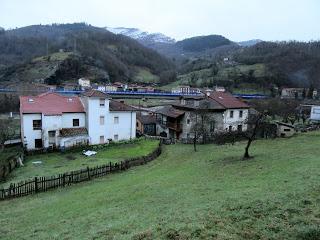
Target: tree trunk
195	144
246	153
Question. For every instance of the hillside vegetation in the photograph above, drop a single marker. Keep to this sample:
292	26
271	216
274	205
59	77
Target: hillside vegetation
202	43
116	55
210	194
265	64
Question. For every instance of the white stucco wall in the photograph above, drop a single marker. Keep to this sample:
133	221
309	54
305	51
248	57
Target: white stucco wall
315	113
94	111
125	129
50	123
67	119
28	134
72	141
236	120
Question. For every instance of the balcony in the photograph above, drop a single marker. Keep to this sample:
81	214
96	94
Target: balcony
174	126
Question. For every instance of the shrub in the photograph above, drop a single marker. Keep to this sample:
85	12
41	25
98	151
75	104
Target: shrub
309	233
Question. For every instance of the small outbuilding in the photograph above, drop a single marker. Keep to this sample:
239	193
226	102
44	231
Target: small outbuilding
285	129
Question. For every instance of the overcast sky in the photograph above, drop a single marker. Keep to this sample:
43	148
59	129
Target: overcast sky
235	19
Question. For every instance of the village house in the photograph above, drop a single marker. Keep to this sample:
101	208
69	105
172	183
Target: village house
315	113
195	110
226	113
236	112
185	90
146	124
112	88
84	83
169	121
51	120
297	93
285	129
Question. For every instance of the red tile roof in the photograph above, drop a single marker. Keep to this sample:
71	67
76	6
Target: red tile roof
50	104
227	100
116	106
170	111
95	93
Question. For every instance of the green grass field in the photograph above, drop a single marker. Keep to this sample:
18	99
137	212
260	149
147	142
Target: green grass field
57	163
145	76
210	194
205	77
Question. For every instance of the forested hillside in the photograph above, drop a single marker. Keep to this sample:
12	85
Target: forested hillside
262	66
292	63
119	56
202	43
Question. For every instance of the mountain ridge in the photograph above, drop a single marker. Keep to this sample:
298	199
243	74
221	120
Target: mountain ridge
118	55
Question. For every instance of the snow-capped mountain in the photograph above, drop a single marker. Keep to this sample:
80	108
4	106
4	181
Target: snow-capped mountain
145	38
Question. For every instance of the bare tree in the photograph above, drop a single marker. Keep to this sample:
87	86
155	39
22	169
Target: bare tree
6	131
202	125
254	122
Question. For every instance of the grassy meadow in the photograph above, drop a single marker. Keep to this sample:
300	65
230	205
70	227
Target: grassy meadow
209	194
57	163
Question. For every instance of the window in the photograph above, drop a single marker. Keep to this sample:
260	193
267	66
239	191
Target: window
38	143
101	120
75	122
287	129
240	114
230	128
188	121
102	102
188	135
36	124
116	137
212	126
52	134
101	139
231	114
116	120
137	124
239	128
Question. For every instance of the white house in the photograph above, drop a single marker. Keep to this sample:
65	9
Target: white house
315	113
107	119
122	121
236	112
84	83
186	90
52	120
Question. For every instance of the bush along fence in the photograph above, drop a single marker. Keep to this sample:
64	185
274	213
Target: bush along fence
9	164
43	184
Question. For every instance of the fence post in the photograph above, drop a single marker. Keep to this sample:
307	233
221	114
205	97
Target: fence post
88	170
110	166
64	179
36	184
71	177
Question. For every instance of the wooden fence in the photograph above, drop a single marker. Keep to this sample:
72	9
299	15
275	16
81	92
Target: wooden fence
43	184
